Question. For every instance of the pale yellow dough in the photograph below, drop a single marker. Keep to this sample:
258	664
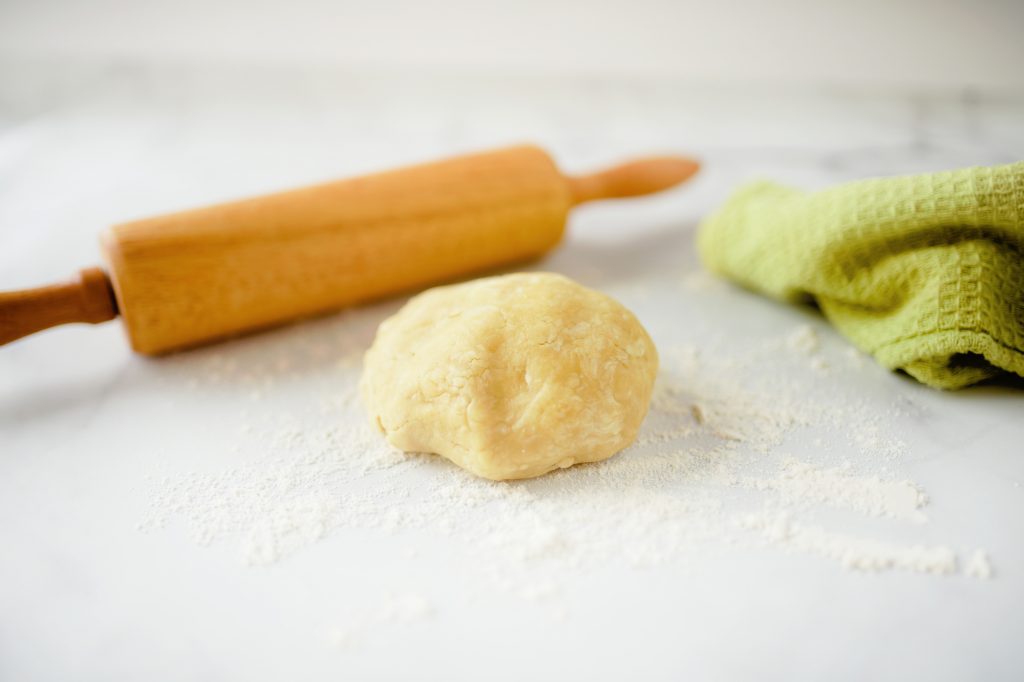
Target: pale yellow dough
511	376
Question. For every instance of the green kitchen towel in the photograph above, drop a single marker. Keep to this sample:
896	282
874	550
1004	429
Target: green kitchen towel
924	272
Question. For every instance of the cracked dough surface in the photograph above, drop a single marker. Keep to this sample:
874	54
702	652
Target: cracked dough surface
511	376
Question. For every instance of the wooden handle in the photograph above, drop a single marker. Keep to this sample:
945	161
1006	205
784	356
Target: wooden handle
87	298
636	178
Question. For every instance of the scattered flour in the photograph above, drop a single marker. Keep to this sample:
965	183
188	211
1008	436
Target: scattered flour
804	339
862	554
979	565
709	473
395	610
800	484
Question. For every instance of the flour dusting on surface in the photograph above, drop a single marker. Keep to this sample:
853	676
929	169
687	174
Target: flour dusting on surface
712	471
395	610
978	565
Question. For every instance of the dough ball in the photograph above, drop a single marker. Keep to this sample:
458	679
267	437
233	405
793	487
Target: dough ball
511	376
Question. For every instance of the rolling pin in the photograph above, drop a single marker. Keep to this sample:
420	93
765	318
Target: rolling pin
192	277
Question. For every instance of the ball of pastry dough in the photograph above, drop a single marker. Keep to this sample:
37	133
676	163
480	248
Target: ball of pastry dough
511	376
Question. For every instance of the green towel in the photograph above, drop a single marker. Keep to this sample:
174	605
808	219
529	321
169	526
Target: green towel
925	272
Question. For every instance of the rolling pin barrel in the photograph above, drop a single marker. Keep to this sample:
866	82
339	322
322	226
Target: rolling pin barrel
189	277
192	277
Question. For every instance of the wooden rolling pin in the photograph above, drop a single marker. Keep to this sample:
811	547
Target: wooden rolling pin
192	277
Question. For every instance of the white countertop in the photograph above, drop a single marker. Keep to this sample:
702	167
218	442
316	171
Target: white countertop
144	499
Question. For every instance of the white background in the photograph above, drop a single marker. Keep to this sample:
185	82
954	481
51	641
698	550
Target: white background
948	43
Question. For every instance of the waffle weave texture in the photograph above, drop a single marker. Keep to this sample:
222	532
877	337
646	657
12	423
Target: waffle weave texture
924	272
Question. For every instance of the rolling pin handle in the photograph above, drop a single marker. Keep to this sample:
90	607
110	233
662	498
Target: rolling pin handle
87	298
632	179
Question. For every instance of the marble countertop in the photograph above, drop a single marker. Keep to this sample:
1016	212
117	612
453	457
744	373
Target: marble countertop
123	480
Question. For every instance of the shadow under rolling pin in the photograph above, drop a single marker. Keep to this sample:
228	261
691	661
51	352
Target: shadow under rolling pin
197	276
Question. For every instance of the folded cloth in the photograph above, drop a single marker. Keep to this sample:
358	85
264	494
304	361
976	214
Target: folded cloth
924	272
